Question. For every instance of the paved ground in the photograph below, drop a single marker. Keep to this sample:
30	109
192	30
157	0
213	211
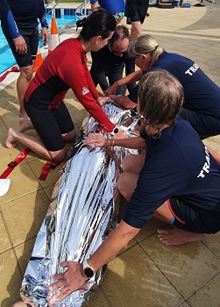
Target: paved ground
146	274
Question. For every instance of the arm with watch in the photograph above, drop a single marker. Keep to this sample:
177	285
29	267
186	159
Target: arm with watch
77	274
118	139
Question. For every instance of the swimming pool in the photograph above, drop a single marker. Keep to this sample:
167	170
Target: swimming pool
6	56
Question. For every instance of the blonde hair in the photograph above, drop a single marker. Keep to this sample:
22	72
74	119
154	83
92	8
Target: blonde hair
145	44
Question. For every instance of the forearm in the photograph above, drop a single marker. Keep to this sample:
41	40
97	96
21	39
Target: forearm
133	77
132	143
124	101
115	242
8	20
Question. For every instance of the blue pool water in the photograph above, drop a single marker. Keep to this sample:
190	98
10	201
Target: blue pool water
6	56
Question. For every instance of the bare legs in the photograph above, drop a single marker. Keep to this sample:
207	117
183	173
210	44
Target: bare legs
23	81
136	29
23	304
35	144
177	236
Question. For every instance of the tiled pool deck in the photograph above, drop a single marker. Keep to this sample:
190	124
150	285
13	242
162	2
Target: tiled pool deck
146	274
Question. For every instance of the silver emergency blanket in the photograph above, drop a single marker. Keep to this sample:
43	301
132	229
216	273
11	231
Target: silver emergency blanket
81	216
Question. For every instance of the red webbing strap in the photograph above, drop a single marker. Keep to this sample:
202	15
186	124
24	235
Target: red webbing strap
46	169
13	69
22	155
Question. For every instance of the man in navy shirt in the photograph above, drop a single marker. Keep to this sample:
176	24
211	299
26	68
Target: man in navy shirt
19	21
202	96
179	182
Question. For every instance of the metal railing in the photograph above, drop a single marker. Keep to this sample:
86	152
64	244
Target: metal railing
82	10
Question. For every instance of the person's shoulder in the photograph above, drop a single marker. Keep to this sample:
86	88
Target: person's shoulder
179	135
72	44
182	127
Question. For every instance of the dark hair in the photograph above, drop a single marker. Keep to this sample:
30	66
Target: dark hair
121	32
160	97
99	23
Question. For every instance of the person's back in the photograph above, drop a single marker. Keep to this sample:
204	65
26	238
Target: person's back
178	167
185	168
201	93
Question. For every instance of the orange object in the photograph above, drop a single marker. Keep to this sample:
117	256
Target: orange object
54	40
38	61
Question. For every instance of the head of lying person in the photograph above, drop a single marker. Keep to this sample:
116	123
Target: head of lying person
146	50
97	29
160	98
119	42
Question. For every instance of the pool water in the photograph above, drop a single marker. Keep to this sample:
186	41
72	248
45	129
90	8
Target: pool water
6	56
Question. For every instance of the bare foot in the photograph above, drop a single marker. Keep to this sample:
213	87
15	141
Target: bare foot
177	236
25	124
10	140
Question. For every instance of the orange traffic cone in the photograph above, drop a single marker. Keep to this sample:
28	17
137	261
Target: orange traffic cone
54	40
38	61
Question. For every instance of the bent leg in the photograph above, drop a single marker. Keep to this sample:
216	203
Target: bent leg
206	125
26	74
136	29
174	236
191	223
34	144
177	236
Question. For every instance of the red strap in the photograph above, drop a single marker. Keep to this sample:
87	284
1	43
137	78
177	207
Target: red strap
13	69
22	155
46	168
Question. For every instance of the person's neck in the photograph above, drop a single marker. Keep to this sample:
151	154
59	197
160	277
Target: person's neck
85	45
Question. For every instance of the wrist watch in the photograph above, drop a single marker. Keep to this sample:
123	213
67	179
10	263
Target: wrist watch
115	130
88	271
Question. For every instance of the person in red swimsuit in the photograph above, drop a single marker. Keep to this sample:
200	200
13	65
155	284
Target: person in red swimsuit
64	68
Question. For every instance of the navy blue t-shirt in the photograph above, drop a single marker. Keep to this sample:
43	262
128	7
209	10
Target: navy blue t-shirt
177	165
22	14
201	94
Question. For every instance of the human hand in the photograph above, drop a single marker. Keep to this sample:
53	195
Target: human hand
66	283
20	44
102	100
45	35
112	89
96	140
121	134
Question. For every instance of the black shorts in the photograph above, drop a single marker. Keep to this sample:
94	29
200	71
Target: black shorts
50	124
136	10
31	37
205	125
194	219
